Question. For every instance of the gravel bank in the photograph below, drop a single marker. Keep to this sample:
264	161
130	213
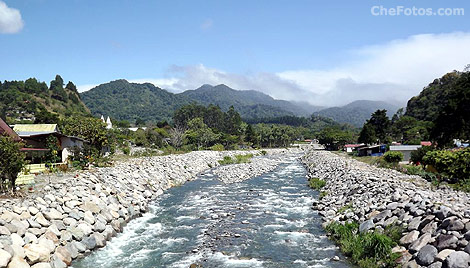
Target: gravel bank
73	215
437	221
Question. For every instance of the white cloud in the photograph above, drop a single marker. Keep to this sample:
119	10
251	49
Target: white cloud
10	19
394	72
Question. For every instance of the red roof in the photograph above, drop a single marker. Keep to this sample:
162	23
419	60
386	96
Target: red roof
6	130
33	149
426	143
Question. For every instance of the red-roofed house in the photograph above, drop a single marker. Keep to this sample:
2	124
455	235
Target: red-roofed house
426	143
349	148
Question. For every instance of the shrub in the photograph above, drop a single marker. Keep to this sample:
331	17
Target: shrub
454	165
393	157
11	161
263	152
373	249
417	156
217	147
316	183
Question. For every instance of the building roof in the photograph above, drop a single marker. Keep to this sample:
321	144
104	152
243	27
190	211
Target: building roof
28	130
426	143
5	129
404	147
353	145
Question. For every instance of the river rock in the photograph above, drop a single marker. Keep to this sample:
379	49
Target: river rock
17	262
5	258
458	259
426	255
367	225
36	253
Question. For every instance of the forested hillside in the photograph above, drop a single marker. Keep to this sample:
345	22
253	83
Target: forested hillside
130	101
356	113
35	101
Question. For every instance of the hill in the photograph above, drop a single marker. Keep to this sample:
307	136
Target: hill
128	101
34	101
225	97
356	113
433	98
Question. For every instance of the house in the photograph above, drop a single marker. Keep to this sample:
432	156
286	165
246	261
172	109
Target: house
373	150
6	130
349	148
405	150
459	143
426	143
35	137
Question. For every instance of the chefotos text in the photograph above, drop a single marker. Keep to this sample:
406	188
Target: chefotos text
416	11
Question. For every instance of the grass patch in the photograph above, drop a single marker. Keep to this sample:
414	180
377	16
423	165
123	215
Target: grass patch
367	250
316	183
323	194
237	159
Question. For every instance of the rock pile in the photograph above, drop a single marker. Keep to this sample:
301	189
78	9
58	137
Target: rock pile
436	220
73	215
256	166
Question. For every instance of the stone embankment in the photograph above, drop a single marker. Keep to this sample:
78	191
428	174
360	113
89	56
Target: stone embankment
436	220
77	213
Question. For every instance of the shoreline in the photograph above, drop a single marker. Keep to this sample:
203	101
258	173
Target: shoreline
436	221
74	215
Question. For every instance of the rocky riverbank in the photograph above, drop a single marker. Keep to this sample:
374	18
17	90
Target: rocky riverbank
76	213
436	220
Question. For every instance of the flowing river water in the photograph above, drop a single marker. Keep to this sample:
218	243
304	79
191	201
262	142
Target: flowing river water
266	221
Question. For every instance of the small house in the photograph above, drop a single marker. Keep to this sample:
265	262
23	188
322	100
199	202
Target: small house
35	137
405	150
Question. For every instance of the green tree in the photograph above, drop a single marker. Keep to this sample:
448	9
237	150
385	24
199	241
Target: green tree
453	121
367	135
91	129
200	134
233	122
11	160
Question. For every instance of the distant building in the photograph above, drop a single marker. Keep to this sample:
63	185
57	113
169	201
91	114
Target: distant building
134	129
109	124
426	143
35	136
374	150
349	148
405	150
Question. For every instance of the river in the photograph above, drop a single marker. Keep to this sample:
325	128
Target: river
266	221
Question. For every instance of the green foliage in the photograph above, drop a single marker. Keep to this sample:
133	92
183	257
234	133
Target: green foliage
377	127
200	134
237	159
217	147
323	194
453	165
316	183
393	157
453	120
263	152
372	249
335	138
11	161
417	155
52	156
345	208
90	129
32	99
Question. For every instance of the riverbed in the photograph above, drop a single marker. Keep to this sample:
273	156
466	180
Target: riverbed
266	221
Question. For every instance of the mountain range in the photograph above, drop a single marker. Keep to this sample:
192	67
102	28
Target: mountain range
123	100
357	112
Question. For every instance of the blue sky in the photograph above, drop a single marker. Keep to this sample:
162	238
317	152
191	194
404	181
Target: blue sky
324	52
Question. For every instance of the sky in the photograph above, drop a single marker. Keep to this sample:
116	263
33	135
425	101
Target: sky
327	53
